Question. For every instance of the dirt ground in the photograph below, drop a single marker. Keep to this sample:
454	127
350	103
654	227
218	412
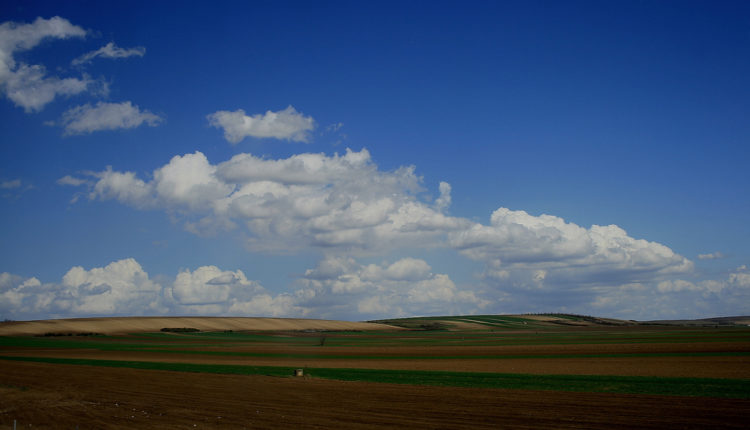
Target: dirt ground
693	364
40	395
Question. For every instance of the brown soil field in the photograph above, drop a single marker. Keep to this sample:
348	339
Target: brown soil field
41	395
60	396
126	325
704	366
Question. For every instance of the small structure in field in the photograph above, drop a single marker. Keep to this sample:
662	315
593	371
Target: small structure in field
299	372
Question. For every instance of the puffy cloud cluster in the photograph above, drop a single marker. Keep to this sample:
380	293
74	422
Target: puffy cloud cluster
124	288
287	124
341	202
120	288
343	205
211	291
28	85
341	286
549	250
678	298
110	50
106	116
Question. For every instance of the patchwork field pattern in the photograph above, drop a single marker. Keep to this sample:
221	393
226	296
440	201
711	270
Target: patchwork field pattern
458	372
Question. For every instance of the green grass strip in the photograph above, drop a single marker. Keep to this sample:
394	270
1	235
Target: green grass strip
322	355
694	387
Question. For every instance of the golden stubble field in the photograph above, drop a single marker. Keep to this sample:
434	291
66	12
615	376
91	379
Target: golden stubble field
63	395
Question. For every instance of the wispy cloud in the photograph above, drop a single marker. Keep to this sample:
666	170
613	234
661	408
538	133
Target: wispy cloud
9	185
14	188
110	50
287	124
711	256
28	85
106	116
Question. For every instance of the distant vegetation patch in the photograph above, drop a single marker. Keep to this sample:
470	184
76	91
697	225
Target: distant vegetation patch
55	334
180	330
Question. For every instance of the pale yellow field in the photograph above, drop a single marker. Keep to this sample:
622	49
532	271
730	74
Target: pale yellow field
126	325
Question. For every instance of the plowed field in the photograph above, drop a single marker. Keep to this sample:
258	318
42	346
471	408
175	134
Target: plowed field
62	396
55	395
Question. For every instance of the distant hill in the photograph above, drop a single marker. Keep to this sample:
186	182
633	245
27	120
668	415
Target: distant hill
718	321
527	321
125	325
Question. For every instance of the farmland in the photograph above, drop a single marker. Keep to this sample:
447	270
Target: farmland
452	372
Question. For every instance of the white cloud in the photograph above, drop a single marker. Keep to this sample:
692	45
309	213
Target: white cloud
344	206
711	256
310	200
341	286
72	181
287	124
740	278
124	288
120	288
124	187
27	85
678	298
211	285
106	116
444	201
516	240
110	50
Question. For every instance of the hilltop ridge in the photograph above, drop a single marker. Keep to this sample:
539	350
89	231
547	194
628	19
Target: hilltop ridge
546	320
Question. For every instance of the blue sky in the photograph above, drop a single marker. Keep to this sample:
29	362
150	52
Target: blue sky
358	161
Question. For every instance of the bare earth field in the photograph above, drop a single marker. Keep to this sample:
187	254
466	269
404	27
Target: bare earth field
60	395
711	366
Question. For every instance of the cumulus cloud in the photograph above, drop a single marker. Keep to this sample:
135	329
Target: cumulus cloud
341	286
110	50
211	285
287	124
120	288
28	86
678	298
124	288
310	200
106	116
209	290
345	207
444	201
518	241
